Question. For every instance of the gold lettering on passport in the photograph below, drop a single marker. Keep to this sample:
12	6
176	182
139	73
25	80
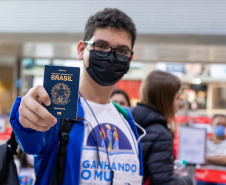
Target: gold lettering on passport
61	77
60	94
59	108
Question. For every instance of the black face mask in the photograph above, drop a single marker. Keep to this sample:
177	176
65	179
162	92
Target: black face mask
106	71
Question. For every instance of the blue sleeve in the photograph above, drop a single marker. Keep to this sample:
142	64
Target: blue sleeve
31	141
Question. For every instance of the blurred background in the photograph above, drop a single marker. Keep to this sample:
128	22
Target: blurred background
183	37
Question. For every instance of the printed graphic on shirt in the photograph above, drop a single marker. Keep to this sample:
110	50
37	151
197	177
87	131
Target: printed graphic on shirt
108	136
107	140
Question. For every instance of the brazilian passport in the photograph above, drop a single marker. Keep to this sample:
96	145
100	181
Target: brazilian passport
62	85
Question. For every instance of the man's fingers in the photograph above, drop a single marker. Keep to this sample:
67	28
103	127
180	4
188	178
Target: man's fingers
32	113
38	111
29	124
39	93
33	117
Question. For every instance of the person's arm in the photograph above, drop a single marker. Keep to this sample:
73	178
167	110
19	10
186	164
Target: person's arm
159	158
216	160
31	122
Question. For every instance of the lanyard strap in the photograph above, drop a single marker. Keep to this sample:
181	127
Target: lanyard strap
80	95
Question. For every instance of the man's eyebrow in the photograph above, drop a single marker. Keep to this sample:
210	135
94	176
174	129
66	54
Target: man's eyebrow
123	46
102	41
105	42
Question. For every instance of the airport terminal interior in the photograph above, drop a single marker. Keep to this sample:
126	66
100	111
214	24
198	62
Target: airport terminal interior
185	38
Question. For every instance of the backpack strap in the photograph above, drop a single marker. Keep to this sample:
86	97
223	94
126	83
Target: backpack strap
65	128
13	144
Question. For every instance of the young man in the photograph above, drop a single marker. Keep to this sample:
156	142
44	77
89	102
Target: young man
106	51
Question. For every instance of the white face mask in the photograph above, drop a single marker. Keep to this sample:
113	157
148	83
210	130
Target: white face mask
30	159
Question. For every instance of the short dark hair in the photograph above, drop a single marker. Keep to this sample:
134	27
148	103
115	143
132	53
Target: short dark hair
158	90
120	91
113	18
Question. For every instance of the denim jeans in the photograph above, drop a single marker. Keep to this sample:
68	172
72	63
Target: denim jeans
208	183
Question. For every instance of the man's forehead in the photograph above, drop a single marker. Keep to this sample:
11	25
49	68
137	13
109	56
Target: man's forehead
113	37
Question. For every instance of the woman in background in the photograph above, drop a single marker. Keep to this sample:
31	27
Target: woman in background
160	99
120	97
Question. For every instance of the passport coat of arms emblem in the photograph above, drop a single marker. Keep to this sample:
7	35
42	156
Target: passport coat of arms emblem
60	94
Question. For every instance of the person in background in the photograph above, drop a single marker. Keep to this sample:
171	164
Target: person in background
120	97
160	100
216	145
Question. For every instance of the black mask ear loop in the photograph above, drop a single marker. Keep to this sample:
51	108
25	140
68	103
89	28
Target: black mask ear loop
112	172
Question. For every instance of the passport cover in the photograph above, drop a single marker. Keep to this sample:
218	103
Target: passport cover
62	85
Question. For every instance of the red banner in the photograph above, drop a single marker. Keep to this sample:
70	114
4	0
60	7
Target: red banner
131	87
6	135
208	175
202	119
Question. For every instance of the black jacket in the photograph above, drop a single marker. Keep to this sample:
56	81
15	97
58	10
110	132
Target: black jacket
157	147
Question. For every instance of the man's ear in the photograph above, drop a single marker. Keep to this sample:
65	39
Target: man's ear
131	58
81	47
